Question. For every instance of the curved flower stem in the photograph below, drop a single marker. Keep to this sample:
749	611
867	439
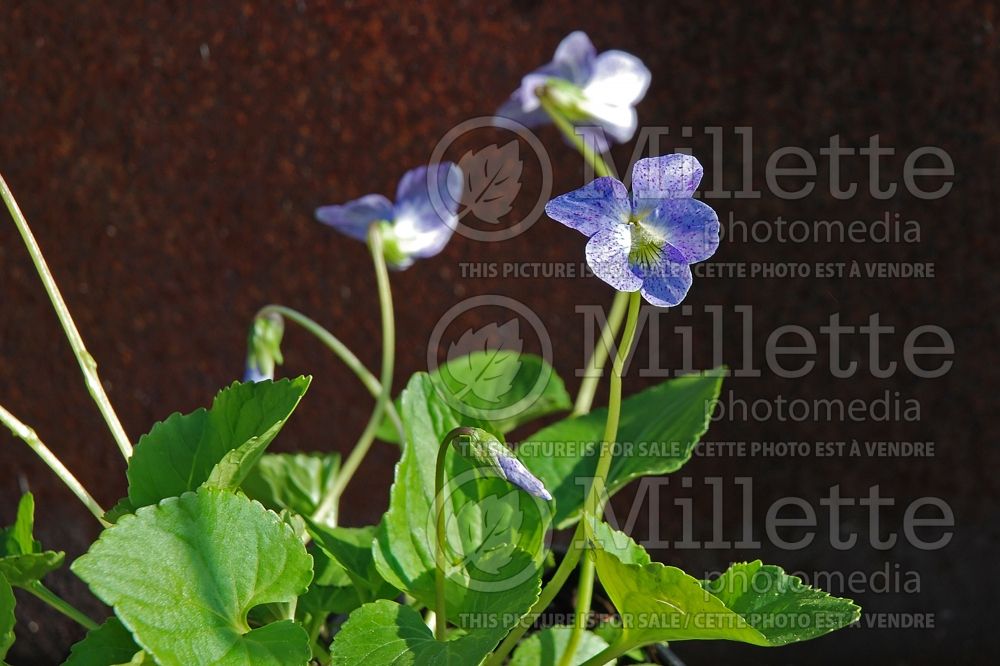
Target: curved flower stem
364	443
593	504
594	158
595	364
88	366
341	351
441	534
52	599
30	437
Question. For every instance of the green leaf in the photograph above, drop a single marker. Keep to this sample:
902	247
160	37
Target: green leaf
292	481
351	547
496	551
122	507
218	445
658	431
385	632
7	619
617	543
331	590
495	390
22	559
546	647
183	575
109	644
751	603
782	607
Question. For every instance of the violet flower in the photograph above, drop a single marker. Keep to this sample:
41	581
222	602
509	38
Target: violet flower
597	93
417	226
646	242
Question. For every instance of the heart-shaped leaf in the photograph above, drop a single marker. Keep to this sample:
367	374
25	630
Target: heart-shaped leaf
218	445
492	560
109	644
183	575
658	431
546	647
751	602
22	560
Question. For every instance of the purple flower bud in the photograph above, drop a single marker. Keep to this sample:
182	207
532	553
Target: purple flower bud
516	473
485	450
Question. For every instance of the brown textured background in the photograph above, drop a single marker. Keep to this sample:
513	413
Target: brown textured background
169	156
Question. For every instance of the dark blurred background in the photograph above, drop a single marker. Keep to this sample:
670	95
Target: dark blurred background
169	156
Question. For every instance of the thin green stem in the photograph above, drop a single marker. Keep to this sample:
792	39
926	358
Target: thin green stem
595	498
30	437
52	599
594	158
341	351
88	366
441	534
593	504
584	595
364	443
595	364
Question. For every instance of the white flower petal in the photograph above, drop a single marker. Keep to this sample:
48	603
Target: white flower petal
618	79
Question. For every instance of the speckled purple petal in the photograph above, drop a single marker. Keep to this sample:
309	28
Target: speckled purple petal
354	217
607	255
600	204
689	226
577	54
667	284
655	179
423	220
517	474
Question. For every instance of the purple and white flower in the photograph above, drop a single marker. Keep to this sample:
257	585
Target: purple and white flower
417	226
647	241
596	92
